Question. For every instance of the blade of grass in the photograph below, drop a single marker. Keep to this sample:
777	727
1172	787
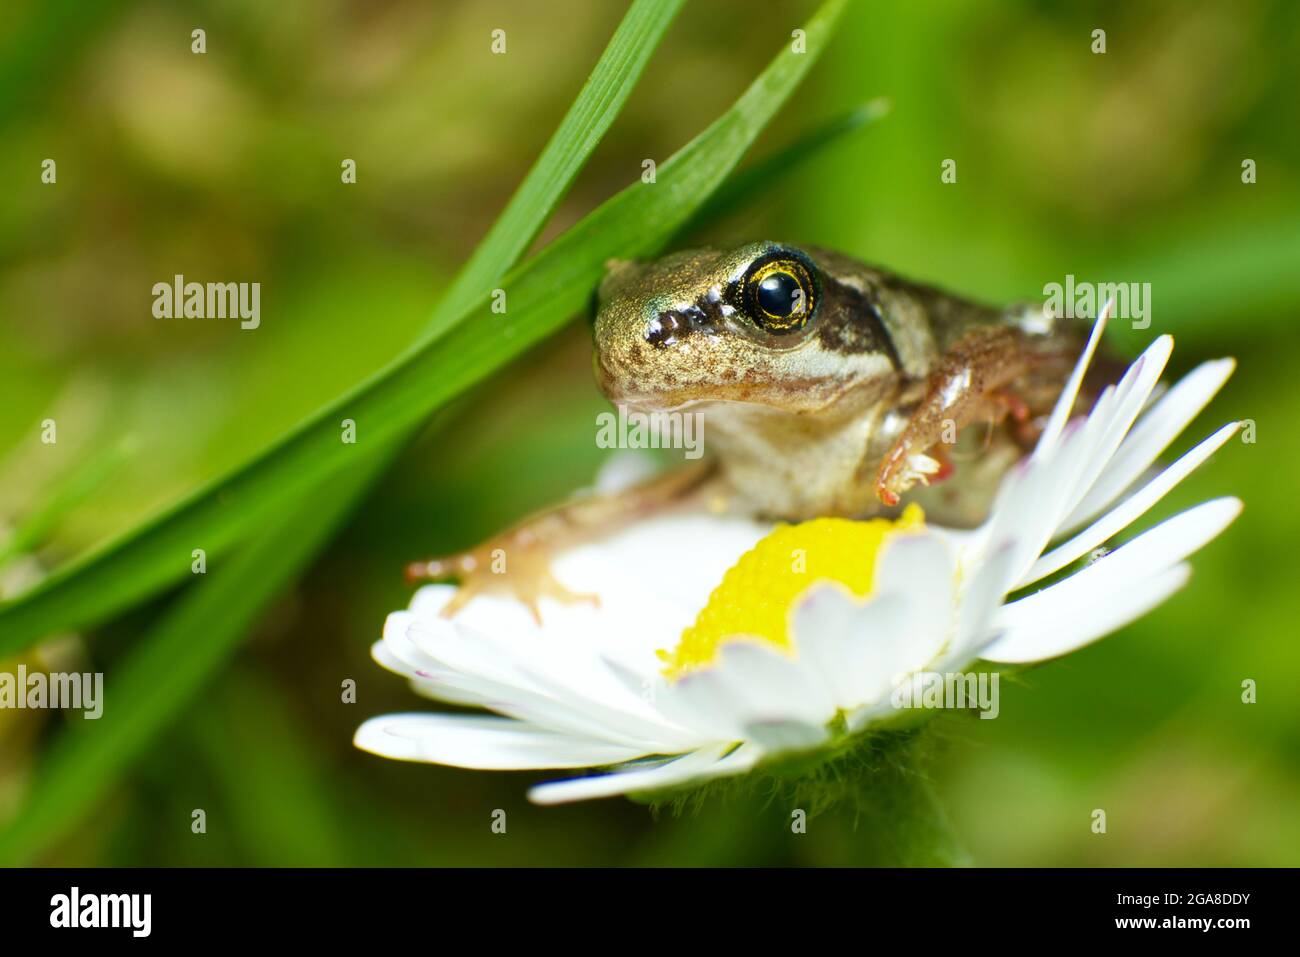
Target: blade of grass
160	676
542	294
87	762
273	787
64	788
70	492
593	111
599	102
772	167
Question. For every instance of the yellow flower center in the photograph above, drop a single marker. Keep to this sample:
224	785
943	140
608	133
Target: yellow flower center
758	592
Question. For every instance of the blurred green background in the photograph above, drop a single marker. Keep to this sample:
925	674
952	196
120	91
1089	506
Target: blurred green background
1123	166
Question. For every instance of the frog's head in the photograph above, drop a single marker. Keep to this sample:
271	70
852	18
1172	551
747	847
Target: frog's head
761	323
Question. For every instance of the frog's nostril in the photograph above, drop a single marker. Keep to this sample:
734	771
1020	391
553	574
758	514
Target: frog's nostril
665	328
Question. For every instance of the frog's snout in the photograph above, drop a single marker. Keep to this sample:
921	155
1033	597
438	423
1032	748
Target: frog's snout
650	327
619	340
637	359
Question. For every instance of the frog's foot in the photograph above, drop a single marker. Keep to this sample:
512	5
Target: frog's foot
980	379
1007	405
518	561
514	564
904	467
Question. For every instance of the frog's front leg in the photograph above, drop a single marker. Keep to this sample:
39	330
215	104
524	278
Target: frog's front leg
518	561
990	374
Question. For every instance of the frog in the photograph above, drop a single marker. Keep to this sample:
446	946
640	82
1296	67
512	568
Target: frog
828	387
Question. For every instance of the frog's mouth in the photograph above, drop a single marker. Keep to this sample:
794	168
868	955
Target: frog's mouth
613	385
649	397
794	397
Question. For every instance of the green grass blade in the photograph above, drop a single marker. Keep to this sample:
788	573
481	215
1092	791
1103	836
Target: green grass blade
744	184
597	105
593	112
599	102
85	762
157	680
91	475
542	294
272	786
82	767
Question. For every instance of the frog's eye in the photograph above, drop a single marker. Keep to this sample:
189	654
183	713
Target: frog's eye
780	294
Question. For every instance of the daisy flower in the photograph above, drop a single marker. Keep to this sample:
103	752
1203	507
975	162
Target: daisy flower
721	643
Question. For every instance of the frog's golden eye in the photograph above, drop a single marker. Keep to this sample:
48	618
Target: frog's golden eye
780	294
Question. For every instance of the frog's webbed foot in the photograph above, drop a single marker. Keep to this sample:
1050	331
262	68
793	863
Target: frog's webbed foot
518	561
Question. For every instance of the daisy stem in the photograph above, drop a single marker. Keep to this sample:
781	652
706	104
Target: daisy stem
900	813
895	816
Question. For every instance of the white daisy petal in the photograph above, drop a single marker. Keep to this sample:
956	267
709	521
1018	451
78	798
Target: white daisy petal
427	679
922	568
1031	501
1128	400
856	647
1088	593
623	469
446	691
754	683
466	663
484	743
1130	510
1153	551
628	714
675	709
987	587
429	600
1152	434
650	555
696	766
1065	402
1050	631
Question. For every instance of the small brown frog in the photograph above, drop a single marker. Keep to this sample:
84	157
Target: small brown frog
828	387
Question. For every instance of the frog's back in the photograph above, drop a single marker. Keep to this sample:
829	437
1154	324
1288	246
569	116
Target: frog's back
921	321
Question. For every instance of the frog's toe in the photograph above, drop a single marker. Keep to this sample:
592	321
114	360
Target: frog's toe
902	471
536	584
524	575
